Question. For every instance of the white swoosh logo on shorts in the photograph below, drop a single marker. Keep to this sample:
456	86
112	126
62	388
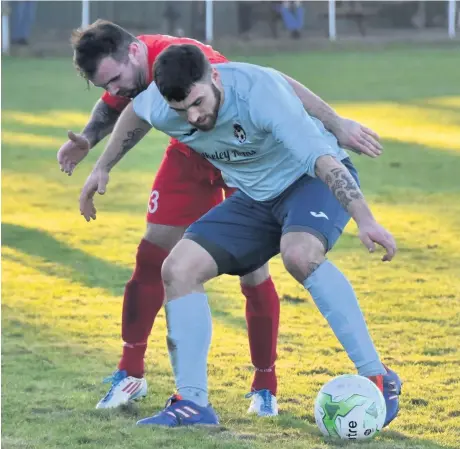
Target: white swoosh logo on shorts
319	215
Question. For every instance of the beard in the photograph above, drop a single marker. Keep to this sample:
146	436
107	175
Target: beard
211	118
131	93
140	84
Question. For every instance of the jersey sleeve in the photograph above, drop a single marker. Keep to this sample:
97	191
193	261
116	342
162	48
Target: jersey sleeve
149	105
274	107
115	102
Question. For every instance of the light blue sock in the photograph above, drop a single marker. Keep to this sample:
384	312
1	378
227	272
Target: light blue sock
336	300
189	337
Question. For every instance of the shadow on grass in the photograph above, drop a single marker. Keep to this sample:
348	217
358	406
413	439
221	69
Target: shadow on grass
66	262
84	268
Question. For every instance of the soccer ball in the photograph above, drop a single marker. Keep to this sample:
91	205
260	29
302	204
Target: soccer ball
350	407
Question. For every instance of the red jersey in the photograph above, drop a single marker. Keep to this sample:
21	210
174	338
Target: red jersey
156	43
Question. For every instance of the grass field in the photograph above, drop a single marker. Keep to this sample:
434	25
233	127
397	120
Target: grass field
62	278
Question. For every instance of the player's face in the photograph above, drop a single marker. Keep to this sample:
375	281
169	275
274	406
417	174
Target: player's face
201	106
125	78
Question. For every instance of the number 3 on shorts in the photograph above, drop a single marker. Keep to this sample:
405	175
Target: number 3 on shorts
153	201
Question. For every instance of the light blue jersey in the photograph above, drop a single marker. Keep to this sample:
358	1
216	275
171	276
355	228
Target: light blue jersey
263	140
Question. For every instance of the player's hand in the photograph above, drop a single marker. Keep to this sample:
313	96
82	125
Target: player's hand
72	152
356	137
372	233
97	182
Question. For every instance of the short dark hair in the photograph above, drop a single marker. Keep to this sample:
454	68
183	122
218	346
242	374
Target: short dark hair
178	68
100	39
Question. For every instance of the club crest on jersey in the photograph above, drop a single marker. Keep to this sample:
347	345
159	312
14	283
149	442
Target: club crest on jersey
239	133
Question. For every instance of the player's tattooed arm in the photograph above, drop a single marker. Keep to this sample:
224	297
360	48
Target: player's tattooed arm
101	123
132	137
344	187
128	131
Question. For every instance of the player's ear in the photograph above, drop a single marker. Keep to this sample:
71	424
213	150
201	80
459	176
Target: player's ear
215	75
134	50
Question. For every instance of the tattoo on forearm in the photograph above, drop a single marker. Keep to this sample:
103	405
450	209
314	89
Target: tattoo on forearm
103	119
132	138
343	186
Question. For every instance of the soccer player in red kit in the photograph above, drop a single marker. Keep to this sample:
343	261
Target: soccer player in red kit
186	186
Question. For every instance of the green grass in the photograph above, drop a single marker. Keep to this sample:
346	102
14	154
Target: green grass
63	278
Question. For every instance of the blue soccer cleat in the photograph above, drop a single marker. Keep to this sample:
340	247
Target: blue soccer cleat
181	412
391	390
263	403
390	385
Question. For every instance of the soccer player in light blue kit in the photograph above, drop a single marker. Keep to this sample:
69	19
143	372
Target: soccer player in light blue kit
297	191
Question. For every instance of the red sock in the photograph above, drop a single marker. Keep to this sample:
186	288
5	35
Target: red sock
262	317
144	295
378	380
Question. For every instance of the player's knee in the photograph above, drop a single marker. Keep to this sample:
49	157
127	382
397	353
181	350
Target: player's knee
186	268
176	270
302	253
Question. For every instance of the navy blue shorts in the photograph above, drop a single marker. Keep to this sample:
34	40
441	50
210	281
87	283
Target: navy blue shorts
242	234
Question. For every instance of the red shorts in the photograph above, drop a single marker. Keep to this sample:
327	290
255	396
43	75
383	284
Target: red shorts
185	188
